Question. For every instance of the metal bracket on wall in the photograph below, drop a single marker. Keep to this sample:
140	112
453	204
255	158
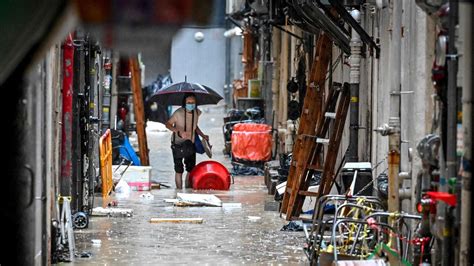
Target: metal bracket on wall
386	130
399	93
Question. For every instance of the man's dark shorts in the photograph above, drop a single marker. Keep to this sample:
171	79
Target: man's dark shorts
189	161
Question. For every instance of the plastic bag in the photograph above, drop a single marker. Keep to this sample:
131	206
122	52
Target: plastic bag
122	189
198	144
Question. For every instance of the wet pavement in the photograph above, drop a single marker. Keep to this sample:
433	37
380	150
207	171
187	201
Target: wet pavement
245	235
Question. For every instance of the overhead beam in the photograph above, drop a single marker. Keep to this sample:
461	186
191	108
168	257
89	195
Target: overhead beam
341	10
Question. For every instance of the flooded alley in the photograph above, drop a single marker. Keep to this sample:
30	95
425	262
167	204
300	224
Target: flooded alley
241	233
230	132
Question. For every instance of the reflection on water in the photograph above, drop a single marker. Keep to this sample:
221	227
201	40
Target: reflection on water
227	235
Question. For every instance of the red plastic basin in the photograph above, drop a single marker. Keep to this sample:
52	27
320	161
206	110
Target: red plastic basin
210	175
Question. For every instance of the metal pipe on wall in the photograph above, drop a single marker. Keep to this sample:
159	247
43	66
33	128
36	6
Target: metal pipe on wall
276	49
228	81
356	45
451	132
452	93
283	94
265	66
394	116
466	69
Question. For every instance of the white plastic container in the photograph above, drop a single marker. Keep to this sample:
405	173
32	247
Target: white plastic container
137	177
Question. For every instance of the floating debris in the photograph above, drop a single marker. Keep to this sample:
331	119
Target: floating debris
177	220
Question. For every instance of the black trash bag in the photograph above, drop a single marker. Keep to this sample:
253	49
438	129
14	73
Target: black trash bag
285	160
118	138
246	170
235	115
315	179
254	113
293	226
154	111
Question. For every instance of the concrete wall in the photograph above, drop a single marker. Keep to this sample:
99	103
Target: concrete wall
157	60
381	97
202	62
416	107
417	47
236	67
154	44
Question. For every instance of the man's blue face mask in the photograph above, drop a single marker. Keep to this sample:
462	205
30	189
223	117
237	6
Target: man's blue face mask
190	106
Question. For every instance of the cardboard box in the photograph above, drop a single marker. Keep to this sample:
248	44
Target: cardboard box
137	177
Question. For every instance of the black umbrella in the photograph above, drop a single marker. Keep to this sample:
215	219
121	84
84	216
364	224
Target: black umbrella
174	93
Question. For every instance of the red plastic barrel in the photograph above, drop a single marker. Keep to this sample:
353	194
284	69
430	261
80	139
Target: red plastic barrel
210	175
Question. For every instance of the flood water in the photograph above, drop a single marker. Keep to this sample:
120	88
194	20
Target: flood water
234	235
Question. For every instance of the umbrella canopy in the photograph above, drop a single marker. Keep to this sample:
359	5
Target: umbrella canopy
174	93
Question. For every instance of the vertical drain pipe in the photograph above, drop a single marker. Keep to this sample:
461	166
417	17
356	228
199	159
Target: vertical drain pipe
394	119
466	68
451	136
392	130
356	44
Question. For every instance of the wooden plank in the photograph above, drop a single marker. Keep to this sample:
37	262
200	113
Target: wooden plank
303	219
177	220
308	193
315	168
113	212
139	111
188	204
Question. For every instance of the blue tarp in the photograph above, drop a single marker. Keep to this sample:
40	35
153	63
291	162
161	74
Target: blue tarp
126	151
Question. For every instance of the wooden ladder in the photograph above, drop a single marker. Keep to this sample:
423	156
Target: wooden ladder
309	117
335	110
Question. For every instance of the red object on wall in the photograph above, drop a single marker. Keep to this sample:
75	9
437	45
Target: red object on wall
252	142
448	198
66	143
123	113
210	175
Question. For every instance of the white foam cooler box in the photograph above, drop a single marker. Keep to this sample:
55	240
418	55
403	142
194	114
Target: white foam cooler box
137	177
